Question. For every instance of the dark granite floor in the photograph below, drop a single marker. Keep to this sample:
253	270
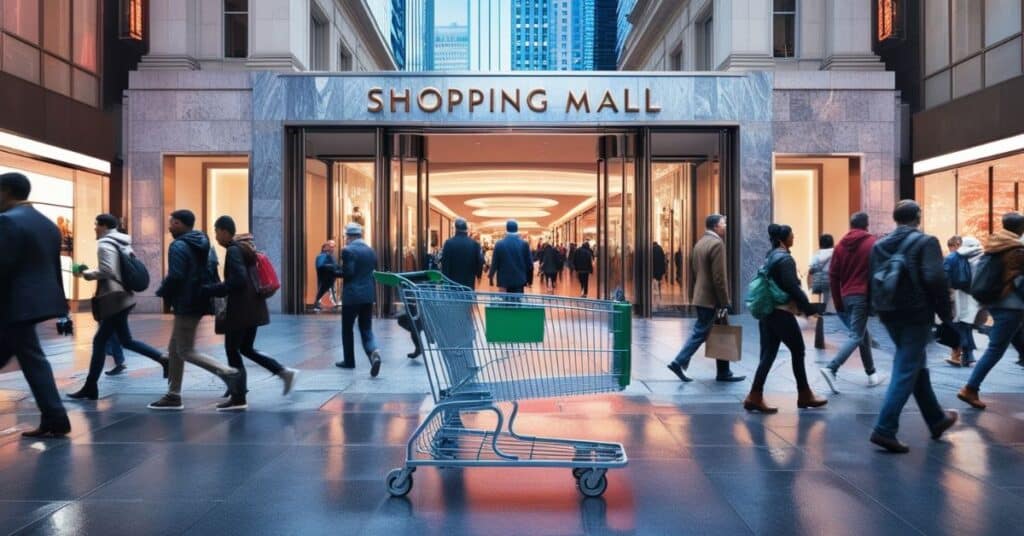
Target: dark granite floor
314	462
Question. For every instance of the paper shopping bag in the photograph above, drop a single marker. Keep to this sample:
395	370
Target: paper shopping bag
724	342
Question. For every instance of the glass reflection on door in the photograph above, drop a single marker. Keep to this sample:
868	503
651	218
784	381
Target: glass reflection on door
672	233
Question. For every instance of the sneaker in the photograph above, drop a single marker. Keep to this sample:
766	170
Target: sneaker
374	363
235	403
116	370
288	377
168	402
830	379
876	379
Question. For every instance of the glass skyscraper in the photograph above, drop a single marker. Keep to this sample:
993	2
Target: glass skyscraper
451	48
397	36
623	26
531	34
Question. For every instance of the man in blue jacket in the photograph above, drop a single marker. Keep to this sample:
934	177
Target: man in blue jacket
358	294
512	261
191	264
462	260
31	291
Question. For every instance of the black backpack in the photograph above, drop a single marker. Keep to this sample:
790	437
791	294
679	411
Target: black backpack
960	273
134	275
892	275
987	282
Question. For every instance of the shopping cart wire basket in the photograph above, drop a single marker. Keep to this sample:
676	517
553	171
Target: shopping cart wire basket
486	348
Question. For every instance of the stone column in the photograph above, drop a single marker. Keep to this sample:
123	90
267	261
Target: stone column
172	32
744	30
279	35
848	32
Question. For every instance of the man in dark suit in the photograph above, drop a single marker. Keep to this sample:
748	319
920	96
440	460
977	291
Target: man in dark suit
358	261
512	261
462	259
31	291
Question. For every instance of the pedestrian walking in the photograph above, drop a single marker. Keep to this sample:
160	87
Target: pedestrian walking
818	273
113	303
781	327
659	265
908	289
710	297
31	291
953	244
512	262
549	266
462	258
1004	247
967	312
358	294
848	278
326	275
115	351
192	263
245	311
583	265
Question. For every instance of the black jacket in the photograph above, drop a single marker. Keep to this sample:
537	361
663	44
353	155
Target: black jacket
245	308
462	259
659	267
583	260
918	303
783	272
549	260
512	262
327	270
187	258
31	284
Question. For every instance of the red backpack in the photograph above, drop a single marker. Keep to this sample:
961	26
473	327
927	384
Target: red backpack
266	279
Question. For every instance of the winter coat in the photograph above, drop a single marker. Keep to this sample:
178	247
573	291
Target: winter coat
245	308
966	308
583	260
462	259
181	288
658	264
108	273
850	266
783	272
358	261
31	283
819	263
1007	243
711	276
326	268
512	262
549	260
917	304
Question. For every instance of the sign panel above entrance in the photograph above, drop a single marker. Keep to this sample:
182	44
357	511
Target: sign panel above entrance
513	99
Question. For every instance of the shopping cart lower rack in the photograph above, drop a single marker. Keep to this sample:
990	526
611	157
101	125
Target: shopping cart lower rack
486	348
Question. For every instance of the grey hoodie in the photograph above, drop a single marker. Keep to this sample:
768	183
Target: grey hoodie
108	273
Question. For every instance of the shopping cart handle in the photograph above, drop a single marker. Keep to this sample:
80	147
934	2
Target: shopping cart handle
392	279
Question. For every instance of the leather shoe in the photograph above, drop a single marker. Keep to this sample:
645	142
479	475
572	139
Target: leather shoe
49	430
890	444
344	365
755	402
945	424
806	399
970	395
678	371
730	378
87	392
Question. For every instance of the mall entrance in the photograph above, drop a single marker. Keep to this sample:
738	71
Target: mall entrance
637	196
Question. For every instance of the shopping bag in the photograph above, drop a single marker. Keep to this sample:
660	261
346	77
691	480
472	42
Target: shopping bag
725	342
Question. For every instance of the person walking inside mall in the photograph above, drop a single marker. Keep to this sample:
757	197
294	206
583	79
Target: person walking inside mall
967	312
549	266
710	297
512	261
326	275
112	305
191	264
462	259
781	327
358	294
583	265
848	279
1004	246
31	291
912	261
245	311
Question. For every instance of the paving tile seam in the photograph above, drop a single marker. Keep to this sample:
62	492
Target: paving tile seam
42	518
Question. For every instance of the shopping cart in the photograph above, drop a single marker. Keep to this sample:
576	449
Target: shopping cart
485	348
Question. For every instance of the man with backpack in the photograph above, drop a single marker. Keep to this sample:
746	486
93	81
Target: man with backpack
119	274
958	266
192	264
908	288
848	279
996	285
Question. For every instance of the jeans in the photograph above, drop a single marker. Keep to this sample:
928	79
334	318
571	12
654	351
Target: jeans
21	342
324	287
910	376
183	348
967	346
240	343
115	328
855	317
115	350
364	313
584	278
1005	325
780	327
699	334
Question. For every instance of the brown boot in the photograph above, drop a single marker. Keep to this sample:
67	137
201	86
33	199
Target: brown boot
805	399
970	395
755	402
954	358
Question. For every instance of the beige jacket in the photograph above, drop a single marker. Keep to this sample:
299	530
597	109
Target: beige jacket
711	287
108	273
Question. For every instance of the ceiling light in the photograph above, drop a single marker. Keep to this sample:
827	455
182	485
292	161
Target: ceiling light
971	154
511	212
51	152
524	202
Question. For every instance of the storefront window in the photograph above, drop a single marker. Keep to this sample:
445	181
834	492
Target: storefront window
973	207
937	195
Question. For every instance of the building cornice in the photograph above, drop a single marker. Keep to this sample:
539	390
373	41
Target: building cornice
652	20
377	44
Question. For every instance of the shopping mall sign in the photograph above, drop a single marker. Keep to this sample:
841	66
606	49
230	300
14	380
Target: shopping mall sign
535	100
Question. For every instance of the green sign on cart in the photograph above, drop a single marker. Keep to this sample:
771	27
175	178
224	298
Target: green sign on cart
514	324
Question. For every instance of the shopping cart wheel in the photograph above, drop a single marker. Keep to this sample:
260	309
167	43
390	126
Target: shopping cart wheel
399	482
577	472
592	489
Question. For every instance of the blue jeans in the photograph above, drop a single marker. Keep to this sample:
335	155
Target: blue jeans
1005	324
115	350
910	376
116	325
349	314
705	319
855	317
967	346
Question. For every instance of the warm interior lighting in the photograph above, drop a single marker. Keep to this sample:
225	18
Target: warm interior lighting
524	202
511	212
50	152
971	154
515	181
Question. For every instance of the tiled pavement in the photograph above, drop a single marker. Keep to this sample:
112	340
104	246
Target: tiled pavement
313	463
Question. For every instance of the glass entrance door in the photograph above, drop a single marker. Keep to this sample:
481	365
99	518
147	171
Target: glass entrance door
616	216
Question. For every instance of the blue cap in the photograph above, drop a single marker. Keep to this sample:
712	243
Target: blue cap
354	229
